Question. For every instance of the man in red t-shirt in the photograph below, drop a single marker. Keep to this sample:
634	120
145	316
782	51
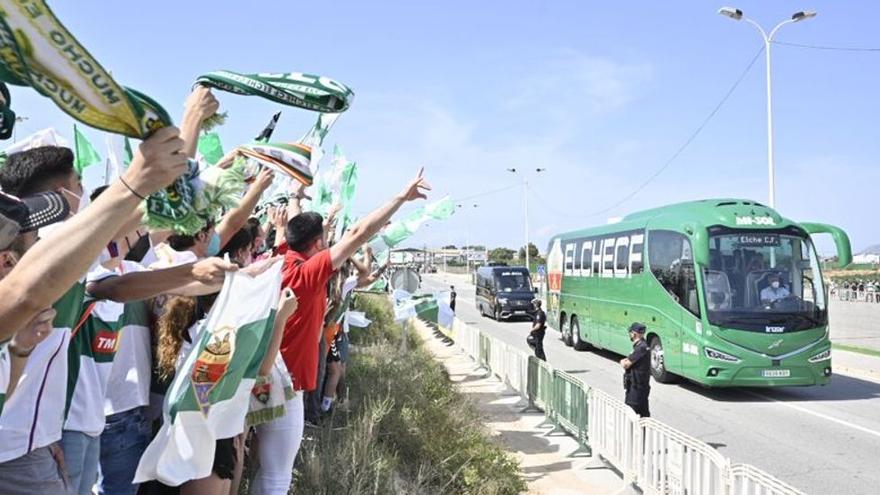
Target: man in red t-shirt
308	266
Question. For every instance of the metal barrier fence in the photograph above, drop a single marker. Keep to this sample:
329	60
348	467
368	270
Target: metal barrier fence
746	479
649	454
675	463
615	434
570	405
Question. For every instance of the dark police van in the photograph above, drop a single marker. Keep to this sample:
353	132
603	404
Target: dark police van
504	291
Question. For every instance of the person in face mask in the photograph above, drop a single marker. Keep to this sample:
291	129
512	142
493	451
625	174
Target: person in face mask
188	248
774	292
240	248
46	168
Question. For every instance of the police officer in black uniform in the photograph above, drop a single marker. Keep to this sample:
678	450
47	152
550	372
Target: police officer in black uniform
539	329
637	377
452	295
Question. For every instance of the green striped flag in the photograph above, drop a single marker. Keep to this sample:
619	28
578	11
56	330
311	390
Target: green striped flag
85	154
209	397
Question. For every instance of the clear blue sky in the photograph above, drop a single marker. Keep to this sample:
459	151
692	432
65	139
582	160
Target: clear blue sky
600	94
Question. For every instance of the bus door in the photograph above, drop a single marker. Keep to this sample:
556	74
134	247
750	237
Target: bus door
676	302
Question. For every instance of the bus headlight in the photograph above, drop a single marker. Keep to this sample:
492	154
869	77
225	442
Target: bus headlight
822	356
720	356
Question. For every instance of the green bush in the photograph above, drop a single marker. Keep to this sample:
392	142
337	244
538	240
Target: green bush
407	429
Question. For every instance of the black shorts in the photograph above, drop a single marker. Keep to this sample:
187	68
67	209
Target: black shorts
225	458
333	354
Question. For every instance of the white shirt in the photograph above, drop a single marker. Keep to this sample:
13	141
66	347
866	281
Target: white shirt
772	295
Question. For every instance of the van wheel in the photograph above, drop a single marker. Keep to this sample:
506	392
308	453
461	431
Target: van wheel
658	362
577	343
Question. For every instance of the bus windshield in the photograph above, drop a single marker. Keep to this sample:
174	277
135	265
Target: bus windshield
513	281
766	282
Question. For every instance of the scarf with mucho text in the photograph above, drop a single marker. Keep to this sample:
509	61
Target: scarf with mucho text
296	89
37	50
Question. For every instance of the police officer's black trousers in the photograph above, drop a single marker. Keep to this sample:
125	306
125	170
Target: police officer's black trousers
637	399
536	342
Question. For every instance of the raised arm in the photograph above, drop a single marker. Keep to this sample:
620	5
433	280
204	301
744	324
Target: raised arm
362	231
235	218
279	219
192	279
51	266
200	105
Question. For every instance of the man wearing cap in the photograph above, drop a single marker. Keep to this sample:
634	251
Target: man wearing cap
775	291
20	375
637	377
535	340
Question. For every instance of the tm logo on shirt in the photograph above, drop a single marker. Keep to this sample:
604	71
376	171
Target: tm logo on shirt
105	342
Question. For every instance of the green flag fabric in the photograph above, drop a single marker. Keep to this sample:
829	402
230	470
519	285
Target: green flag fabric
317	93
38	51
128	153
210	395
400	230
84	153
210	147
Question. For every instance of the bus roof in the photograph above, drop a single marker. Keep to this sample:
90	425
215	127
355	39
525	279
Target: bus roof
729	212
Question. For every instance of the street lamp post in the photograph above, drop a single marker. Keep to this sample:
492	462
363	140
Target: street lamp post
467	233
737	15
526	209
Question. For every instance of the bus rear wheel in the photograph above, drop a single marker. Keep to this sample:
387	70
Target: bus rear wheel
577	343
565	329
658	362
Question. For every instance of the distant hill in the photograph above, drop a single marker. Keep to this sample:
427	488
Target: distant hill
875	249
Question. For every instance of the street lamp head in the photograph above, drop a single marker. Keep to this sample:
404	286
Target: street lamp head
731	12
511	170
803	15
540	170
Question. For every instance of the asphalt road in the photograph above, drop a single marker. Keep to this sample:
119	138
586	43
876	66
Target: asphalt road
822	440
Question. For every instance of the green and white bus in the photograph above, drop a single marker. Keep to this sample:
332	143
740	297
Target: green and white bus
700	276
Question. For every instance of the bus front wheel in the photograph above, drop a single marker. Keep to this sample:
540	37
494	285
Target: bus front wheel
658	362
577	343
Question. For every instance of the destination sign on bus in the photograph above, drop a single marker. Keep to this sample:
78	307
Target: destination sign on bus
758	240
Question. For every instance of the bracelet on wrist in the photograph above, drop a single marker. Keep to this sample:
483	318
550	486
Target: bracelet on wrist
131	189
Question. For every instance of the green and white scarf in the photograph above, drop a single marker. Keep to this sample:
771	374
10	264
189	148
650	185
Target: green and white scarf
291	159
317	93
37	50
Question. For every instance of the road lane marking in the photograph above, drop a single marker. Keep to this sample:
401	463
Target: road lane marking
817	414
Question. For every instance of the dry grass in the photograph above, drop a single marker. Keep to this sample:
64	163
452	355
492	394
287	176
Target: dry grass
407	431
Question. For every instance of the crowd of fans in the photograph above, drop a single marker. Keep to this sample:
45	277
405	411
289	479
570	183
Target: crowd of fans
99	313
856	290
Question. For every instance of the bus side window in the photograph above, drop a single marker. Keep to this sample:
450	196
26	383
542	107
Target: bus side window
636	248
586	258
672	264
621	257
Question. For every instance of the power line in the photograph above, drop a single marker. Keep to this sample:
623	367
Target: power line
486	193
830	48
687	142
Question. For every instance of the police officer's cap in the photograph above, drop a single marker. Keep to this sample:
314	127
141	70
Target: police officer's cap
637	328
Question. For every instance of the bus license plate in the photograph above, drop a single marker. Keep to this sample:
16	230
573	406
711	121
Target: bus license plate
776	373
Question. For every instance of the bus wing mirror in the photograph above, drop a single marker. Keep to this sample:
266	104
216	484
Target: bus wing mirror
841	240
